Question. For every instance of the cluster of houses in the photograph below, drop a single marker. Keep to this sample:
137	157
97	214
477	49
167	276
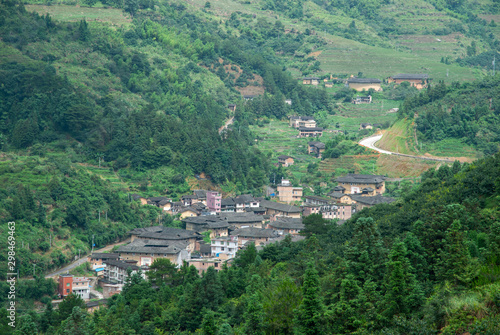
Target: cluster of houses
306	126
416	80
229	224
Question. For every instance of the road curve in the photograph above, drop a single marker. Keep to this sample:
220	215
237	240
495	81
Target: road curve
369	142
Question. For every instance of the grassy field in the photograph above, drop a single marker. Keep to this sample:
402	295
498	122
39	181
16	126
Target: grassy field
115	17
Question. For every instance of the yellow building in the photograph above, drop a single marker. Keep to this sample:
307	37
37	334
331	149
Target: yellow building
360	84
362	184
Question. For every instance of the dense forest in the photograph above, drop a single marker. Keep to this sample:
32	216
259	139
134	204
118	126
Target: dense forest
469	111
426	264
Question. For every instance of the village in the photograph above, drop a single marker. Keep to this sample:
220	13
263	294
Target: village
216	228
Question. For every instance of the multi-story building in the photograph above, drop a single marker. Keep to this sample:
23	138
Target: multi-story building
288	193
214	200
74	285
369	185
117	271
224	247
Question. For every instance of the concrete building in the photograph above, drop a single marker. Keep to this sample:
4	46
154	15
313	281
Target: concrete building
288	193
224	247
80	286
359	183
214	201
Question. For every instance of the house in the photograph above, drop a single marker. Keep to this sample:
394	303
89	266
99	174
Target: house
161	233
276	210
215	224
310	131
232	107
315	148
256	235
96	259
158	201
243	220
285	226
355	183
224	247
228	205
340	197
310	80
362	100
370	201
329	84
302	121
416	80
201	195
360	84
365	126
188	212
80	286
214	202
146	251
137	197
202	264
189	199
315	200
288	193
285	160
288	101
117	271
337	211
93	306
249	97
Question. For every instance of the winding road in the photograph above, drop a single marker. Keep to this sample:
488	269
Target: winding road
369	142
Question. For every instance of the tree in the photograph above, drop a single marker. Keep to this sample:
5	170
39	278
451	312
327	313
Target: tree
90	3
69	302
403	294
314	224
162	271
254	316
309	317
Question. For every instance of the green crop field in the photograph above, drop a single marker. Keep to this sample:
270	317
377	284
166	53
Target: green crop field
115	17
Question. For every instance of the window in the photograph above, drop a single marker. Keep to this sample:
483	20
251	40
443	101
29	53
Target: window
67	284
67	290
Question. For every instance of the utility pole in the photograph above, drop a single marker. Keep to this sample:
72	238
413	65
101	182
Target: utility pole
99	216
92	243
50	240
78	253
34	270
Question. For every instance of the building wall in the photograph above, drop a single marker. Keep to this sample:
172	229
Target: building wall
310	133
214	200
356	188
143	258
65	285
289	193
202	265
413	82
188	214
364	86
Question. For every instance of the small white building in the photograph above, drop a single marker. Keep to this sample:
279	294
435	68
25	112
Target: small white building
224	247
81	287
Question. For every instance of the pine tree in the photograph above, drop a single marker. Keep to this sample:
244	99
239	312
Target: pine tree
403	294
310	314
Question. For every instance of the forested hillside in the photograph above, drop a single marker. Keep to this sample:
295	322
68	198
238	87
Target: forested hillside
469	112
426	264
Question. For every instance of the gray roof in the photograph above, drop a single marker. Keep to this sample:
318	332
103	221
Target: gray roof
339	188
200	194
310	129
310	78
364	80
189	196
254	232
205	248
137	196
374	200
318	145
367	189
138	231
154	246
168	233
122	265
414	76
227	202
287	223
337	195
284	157
246	198
104	256
361	179
279	206
244	217
316	198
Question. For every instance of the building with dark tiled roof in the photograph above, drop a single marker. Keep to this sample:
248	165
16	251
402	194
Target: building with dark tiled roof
285	160
310	131
416	80
96	259
360	84
146	251
315	148
276	209
285	225
370	201
256	235
117	271
354	183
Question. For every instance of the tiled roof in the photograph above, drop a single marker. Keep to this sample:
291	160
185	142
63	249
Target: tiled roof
254	232
364	80
279	207
361	179
104	256
287	223
375	200
310	129
122	265
414	76
284	157
154	246
168	233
